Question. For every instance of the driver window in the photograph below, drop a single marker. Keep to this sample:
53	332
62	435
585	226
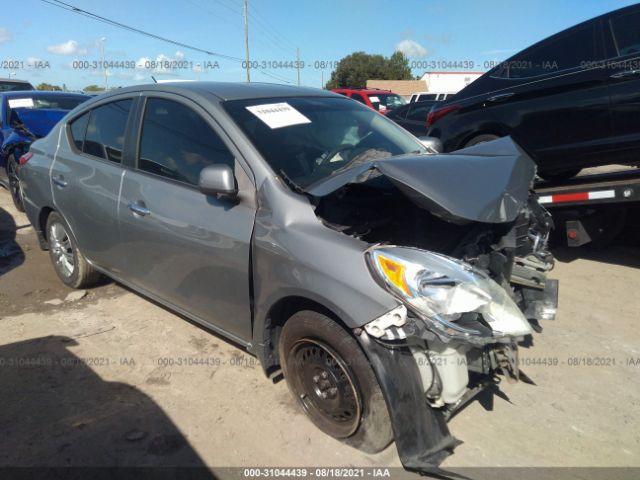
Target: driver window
177	143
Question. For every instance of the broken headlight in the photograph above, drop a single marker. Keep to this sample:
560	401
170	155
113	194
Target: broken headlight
441	290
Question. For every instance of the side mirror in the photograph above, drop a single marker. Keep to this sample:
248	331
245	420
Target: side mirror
433	144
218	180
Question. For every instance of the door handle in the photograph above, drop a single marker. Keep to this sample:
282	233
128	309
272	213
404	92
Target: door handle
501	97
139	209
59	181
625	74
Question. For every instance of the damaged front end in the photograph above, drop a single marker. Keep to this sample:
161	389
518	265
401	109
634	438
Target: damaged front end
461	241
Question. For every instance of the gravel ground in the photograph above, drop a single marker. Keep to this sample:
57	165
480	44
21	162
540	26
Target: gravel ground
112	379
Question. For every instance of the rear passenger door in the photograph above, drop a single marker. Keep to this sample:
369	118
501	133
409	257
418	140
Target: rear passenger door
85	179
622	39
416	119
185	248
558	106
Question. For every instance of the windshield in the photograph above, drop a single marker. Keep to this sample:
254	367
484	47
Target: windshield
7	86
387	100
53	102
308	139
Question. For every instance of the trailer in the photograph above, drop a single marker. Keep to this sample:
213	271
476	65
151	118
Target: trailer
593	206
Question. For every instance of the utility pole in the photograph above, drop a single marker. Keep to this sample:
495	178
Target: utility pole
298	63
321	78
104	67
246	38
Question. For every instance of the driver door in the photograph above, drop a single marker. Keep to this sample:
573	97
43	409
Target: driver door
188	249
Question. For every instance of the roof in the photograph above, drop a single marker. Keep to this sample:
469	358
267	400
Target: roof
401	87
372	91
453	73
16	80
229	90
41	93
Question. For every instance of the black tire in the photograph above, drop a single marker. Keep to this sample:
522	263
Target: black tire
68	261
354	410
14	183
486	137
559	176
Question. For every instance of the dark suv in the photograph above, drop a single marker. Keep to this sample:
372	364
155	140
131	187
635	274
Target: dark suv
571	100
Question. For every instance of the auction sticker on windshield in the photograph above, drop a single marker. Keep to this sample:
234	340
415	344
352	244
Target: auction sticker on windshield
21	103
278	115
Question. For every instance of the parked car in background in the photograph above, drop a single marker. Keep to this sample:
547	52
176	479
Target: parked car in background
26	116
315	233
433	96
413	116
12	85
380	100
572	100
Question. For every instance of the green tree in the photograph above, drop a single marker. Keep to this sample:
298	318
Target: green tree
399	67
49	87
355	69
93	88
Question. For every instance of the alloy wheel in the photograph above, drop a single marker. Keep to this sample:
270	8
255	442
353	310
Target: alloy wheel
14	183
62	249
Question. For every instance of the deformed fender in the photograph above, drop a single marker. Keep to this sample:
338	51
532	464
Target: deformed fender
421	433
13	140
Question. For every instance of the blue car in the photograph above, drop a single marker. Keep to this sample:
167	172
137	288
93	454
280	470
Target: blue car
26	116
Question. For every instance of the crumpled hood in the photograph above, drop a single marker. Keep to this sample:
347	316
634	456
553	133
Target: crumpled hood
489	182
40	121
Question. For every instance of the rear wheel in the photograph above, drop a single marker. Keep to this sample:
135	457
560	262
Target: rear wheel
332	380
68	262
487	137
14	183
559	176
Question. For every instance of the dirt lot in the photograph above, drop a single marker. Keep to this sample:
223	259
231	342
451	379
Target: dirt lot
113	379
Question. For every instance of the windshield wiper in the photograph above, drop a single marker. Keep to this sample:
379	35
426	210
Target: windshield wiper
293	185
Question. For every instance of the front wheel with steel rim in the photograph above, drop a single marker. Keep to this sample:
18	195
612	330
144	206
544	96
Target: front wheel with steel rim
329	375
69	263
14	183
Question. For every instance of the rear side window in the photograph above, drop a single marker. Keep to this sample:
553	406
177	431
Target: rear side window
427	96
358	97
78	129
177	143
569	50
106	130
626	34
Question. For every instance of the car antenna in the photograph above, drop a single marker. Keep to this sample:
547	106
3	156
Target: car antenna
154	79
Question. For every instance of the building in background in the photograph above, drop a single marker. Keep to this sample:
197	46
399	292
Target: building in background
430	82
404	88
448	82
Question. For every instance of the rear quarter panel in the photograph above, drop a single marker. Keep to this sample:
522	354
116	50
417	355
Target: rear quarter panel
35	177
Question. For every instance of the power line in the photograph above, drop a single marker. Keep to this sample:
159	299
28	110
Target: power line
71	8
274	37
216	15
269	37
259	18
